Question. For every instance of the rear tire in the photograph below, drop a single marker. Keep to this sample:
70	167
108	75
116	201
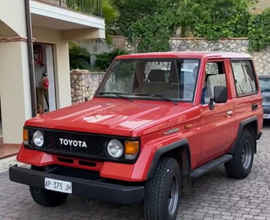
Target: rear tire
47	198
240	166
162	194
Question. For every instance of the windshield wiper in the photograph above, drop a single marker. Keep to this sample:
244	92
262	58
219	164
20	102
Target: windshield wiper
157	96
265	90
120	95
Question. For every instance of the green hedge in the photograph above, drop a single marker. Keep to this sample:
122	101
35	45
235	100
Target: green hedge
105	59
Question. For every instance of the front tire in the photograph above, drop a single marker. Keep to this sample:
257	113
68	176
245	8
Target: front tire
47	198
162	194
240	166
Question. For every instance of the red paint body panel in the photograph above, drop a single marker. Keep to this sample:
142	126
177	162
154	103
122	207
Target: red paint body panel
218	130
111	116
211	135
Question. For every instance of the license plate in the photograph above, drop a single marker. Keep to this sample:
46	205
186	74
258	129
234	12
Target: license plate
58	185
266	116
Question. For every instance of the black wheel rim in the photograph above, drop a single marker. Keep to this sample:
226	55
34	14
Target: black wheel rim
173	195
246	154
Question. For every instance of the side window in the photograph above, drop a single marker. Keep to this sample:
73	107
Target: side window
244	77
215	76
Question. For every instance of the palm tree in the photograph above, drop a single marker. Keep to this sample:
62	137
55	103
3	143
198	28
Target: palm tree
110	14
79	57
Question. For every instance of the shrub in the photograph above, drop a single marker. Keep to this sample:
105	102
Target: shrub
104	60
79	57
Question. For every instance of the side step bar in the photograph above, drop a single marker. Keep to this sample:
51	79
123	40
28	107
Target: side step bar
211	165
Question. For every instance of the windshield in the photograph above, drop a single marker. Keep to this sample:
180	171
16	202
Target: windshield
264	84
173	79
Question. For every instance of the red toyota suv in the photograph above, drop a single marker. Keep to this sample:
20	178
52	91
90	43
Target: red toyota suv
156	121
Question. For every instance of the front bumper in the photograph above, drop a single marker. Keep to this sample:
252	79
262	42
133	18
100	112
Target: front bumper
107	192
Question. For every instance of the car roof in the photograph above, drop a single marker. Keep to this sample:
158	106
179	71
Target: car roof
186	54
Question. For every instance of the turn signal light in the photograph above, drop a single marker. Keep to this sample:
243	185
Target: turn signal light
25	136
131	149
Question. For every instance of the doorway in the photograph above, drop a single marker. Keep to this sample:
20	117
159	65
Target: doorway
45	77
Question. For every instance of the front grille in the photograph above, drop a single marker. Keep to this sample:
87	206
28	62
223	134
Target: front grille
56	142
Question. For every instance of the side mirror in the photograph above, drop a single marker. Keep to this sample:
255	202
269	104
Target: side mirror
220	96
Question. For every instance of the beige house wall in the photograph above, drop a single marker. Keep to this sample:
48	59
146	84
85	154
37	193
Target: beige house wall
14	71
13	15
62	74
45	35
83	34
14	90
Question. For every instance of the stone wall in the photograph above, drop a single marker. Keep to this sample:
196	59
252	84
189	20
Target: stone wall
261	59
84	85
122	42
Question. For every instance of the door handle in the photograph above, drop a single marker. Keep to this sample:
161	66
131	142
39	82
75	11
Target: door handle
254	107
229	113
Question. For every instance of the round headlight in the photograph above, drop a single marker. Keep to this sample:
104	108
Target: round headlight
115	149
38	138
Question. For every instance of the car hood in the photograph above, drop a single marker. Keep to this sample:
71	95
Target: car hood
113	117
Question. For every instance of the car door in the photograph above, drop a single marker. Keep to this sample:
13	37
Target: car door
248	101
218	125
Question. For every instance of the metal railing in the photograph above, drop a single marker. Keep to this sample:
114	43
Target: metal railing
93	7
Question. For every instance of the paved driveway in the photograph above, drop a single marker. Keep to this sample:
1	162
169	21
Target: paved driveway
214	196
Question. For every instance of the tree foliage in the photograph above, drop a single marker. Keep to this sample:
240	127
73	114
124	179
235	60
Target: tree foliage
259	31
214	19
151	38
151	23
133	11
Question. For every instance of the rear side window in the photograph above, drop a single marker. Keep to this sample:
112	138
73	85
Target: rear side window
244	76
